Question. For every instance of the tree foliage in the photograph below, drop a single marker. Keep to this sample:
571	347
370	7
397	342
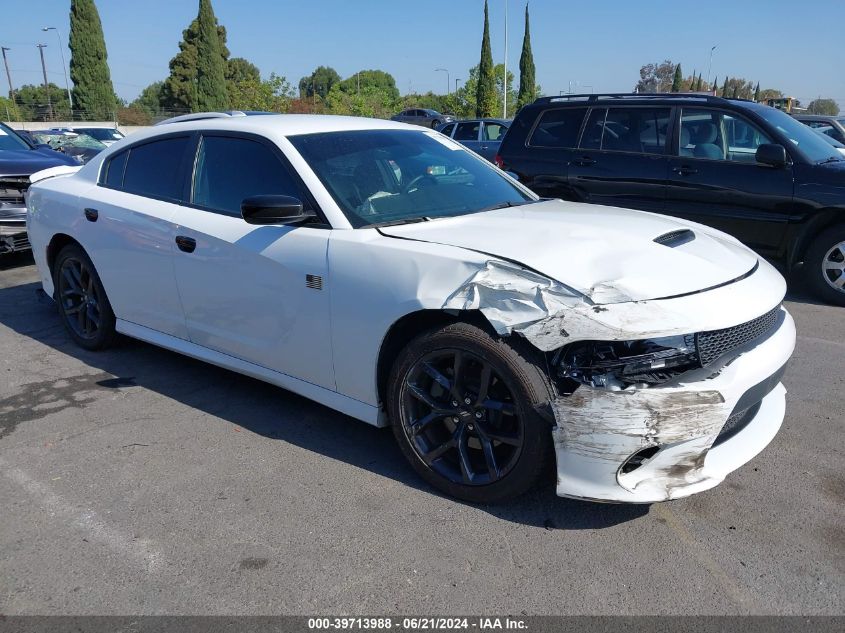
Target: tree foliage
823	106
527	71
239	69
319	83
211	64
656	77
677	79
32	102
370	80
272	95
485	93
93	92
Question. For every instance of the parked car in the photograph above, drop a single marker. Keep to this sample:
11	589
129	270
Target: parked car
106	135
420	116
80	147
482	136
19	159
395	276
840	147
741	167
833	126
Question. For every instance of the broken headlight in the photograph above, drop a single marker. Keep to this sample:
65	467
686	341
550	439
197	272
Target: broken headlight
621	363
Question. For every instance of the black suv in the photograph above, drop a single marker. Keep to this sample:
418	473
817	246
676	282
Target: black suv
742	167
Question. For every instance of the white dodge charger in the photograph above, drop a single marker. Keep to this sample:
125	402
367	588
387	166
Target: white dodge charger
390	274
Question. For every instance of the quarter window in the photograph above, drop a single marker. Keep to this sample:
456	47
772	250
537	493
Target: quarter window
448	129
155	169
558	128
230	169
114	170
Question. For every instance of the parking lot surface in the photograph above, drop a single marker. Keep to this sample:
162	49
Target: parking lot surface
138	481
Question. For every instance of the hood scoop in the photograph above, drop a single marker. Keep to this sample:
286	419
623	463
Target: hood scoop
673	239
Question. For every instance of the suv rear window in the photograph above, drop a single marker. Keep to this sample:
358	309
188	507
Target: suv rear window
558	128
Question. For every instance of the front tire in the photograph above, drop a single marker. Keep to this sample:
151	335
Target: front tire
824	265
464	406
83	305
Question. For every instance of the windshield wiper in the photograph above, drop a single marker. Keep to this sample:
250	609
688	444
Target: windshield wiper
832	159
507	204
422	218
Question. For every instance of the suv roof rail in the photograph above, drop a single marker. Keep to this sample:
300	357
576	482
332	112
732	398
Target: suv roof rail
591	98
200	116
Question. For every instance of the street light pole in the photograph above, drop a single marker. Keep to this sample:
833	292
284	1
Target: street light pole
8	74
709	65
64	68
505	90
448	81
41	48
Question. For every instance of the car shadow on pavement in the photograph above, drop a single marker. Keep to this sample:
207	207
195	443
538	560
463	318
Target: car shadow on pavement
276	414
9	261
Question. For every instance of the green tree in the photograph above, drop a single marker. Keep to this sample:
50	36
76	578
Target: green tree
725	88
371	101
9	110
823	106
656	77
465	96
319	83
485	94
149	100
211	65
93	92
240	69
714	86
180	88
32	102
677	79
273	95
757	92
698	83
527	81
365	80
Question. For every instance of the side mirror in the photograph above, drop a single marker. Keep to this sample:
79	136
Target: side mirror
274	209
772	155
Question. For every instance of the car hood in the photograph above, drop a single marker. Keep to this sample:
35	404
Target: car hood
606	253
22	162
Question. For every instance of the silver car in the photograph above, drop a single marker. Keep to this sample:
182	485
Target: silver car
482	136
420	116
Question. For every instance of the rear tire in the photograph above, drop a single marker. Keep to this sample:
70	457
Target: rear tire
83	305
478	437
824	265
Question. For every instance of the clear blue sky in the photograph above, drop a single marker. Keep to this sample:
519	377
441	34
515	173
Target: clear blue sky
797	47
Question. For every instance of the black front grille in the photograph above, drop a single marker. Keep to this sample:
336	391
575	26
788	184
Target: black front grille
736	422
12	188
713	345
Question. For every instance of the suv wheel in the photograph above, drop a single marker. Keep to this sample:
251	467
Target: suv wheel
464	409
824	265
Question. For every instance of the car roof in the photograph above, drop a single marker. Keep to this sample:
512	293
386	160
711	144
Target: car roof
641	98
816	117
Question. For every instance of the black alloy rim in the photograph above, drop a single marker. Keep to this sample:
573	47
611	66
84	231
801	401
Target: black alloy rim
79	298
461	418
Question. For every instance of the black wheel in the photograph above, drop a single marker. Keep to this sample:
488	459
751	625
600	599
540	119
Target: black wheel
824	265
464	409
83	304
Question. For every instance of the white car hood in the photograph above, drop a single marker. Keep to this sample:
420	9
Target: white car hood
606	253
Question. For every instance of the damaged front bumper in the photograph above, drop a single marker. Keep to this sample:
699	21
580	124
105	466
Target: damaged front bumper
13	236
643	445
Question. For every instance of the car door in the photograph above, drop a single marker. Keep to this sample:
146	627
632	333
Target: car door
621	159
132	213
492	133
468	134
716	180
252	292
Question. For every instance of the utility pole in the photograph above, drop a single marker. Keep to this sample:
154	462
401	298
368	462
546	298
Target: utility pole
709	64
41	48
8	74
505	98
64	68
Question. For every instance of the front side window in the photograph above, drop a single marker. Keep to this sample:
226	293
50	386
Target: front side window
155	169
390	176
494	131
558	128
467	131
718	135
9	140
230	169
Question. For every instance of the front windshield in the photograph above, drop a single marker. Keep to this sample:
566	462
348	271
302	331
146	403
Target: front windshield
389	176
9	140
103	133
803	137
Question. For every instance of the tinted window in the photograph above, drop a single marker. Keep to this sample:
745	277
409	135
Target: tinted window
591	138
467	131
448	129
494	131
639	130
558	128
153	169
114	170
231	169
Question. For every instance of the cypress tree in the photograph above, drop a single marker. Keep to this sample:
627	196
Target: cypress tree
725	88
527	84
735	92
698	83
93	92
757	93
713	87
677	80
211	69
485	94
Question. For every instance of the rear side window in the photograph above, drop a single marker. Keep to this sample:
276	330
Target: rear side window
154	169
231	169
558	128
114	170
636	130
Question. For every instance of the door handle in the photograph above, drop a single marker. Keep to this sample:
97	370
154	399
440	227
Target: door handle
685	170
91	215
186	244
585	161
